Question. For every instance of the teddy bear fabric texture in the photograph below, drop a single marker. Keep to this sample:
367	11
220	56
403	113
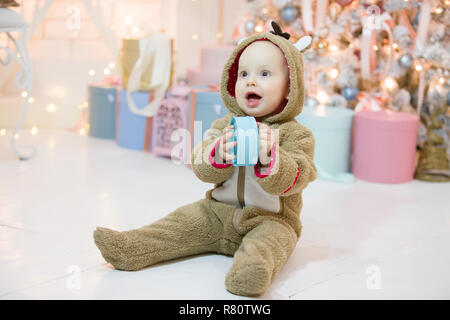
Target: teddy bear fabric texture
250	213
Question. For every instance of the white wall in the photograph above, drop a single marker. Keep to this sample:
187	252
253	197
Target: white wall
61	62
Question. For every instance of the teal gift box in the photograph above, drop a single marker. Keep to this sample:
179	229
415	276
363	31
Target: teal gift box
206	106
133	130
102	111
332	131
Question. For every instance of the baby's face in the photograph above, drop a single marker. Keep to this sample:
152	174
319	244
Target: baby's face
262	82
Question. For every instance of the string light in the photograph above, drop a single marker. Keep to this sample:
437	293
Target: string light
17	136
106	71
322	97
24	94
2	132
83	105
438	10
91	72
195	37
333	47
394	45
334	73
259	28
51	108
351	45
419	67
30	100
265	11
390	83
128	20
111	65
34	131
375	47
219	35
82	131
441	80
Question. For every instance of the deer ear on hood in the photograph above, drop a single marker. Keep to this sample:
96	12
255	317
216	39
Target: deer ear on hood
303	44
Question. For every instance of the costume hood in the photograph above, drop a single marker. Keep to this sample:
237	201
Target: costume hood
294	59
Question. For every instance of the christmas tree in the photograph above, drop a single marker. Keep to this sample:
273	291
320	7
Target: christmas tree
375	55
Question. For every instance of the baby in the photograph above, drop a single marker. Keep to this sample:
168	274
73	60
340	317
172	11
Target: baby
252	213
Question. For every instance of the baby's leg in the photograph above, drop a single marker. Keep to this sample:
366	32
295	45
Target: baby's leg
189	230
262	253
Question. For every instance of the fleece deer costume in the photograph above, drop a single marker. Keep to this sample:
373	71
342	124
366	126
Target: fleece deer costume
252	213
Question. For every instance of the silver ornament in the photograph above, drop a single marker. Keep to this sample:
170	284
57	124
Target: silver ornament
406	61
249	26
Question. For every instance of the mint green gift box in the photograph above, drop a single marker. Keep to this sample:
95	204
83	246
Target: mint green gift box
332	130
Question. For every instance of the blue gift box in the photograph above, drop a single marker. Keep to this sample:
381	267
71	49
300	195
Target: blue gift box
133	131
206	107
332	131
102	111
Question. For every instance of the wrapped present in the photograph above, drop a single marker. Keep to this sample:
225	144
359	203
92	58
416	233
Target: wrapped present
205	107
212	61
384	146
171	115
332	130
102	100
133	131
149	55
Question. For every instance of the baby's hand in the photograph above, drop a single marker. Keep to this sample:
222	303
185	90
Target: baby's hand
266	140
225	145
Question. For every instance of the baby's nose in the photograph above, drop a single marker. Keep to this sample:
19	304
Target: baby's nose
251	82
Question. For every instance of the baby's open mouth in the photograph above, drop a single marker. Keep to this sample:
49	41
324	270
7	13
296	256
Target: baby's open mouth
252	99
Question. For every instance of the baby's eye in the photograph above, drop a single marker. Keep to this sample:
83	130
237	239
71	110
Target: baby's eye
265	73
244	73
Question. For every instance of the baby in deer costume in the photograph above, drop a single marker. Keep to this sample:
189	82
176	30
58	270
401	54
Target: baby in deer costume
253	212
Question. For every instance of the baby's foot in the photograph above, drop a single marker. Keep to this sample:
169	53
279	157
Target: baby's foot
248	276
113	246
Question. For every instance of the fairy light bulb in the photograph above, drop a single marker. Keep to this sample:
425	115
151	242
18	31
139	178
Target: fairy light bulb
438	10
30	100
91	72
2	132
259	28
82	131
333	47
334	73
419	67
106	71
111	65
375	47
51	108
24	94
390	83
441	80
322	97
128	20
34	131
395	45
195	37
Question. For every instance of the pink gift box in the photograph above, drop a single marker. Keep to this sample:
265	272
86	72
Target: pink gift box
384	146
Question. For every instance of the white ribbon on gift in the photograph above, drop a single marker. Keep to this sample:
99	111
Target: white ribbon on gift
371	24
157	50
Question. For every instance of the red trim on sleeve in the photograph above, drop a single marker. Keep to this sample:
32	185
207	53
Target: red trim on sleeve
211	158
295	181
272	162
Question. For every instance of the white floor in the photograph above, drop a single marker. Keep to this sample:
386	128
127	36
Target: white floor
362	241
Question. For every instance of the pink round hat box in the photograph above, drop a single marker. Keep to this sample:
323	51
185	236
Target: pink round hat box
384	146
